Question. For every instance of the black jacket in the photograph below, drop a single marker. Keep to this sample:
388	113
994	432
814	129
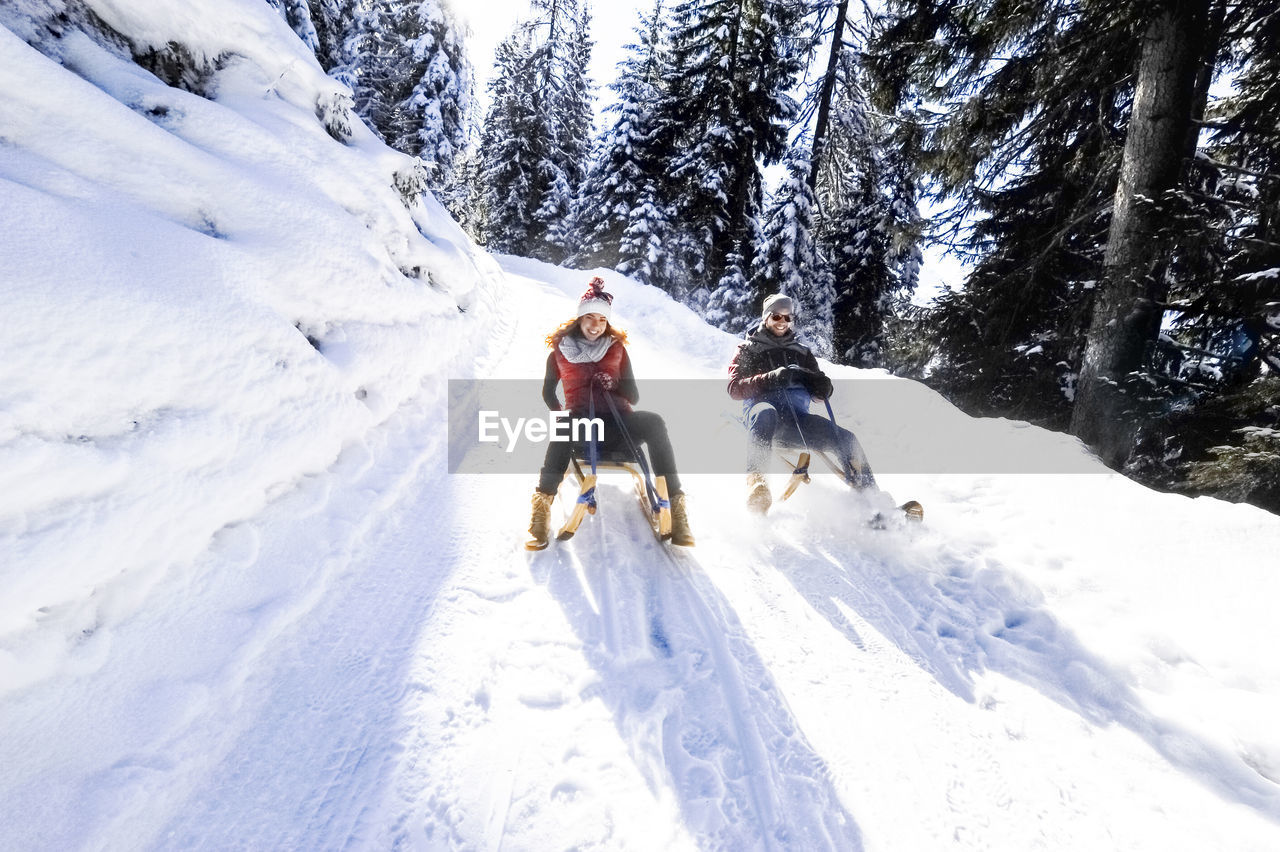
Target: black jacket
750	371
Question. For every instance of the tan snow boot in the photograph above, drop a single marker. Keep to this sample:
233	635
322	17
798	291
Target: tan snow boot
758	497
540	526
680	533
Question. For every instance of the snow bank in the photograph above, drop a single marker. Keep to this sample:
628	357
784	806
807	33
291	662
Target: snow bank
208	297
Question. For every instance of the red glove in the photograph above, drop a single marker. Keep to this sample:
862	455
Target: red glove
605	380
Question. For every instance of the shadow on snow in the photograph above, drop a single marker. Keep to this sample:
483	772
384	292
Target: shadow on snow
692	699
960	614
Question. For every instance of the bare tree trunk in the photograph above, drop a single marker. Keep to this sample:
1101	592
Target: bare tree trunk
1128	311
828	89
1211	46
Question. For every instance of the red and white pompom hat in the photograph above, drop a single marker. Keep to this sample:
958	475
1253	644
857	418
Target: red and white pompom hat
595	300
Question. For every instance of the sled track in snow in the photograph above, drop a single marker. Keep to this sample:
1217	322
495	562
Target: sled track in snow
705	715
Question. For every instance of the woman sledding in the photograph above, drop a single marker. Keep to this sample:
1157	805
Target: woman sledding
776	376
589	359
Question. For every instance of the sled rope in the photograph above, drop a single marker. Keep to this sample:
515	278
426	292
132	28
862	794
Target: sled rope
593	453
656	503
853	478
801	470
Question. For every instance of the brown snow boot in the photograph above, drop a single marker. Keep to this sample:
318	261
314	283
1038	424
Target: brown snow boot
540	526
758	497
680	533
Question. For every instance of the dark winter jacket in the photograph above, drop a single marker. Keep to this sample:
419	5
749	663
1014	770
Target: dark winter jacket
769	368
579	381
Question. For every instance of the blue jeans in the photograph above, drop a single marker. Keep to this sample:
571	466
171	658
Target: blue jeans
800	429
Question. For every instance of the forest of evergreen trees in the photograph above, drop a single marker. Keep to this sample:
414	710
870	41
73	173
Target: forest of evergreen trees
1105	169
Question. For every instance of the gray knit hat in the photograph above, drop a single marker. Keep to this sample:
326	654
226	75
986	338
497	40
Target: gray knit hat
778	304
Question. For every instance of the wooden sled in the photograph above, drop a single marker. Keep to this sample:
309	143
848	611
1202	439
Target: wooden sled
659	520
911	509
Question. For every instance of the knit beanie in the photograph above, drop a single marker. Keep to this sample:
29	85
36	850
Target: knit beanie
595	300
778	304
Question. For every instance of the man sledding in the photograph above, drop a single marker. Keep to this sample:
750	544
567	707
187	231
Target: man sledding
776	377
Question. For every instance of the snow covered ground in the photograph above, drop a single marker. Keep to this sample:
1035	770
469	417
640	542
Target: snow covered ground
245	605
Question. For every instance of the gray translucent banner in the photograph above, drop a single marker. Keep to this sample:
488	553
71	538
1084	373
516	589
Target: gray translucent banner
502	426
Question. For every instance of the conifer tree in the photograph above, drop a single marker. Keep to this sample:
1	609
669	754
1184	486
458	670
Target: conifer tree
297	14
1079	192
1219	352
645	247
510	146
407	66
729	305
336	30
841	233
787	259
443	98
868	237
413	82
1128	311
1023	148
724	110
856	244
532	200
464	195
569	129
624	220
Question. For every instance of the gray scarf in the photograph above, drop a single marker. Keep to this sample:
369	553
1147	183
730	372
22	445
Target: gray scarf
579	350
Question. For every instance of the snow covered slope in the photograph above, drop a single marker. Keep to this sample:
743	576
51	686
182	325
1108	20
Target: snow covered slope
246	606
208	300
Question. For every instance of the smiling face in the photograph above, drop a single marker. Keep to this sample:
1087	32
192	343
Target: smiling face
592	326
778	323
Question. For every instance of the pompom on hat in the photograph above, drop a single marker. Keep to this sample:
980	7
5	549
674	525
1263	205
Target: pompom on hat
595	300
778	304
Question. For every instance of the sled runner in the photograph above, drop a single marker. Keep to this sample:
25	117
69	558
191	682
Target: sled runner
911	510
650	490
799	473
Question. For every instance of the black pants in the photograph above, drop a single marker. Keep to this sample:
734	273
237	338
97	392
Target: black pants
645	427
800	429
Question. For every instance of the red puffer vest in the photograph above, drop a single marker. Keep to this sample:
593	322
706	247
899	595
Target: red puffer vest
576	380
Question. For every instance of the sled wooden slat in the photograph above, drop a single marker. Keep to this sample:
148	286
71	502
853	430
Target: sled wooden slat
580	508
799	474
659	522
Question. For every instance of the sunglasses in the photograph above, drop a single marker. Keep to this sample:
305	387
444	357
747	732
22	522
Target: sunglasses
782	317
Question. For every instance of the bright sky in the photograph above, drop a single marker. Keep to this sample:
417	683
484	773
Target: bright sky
491	21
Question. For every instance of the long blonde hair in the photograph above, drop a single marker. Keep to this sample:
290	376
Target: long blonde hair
570	326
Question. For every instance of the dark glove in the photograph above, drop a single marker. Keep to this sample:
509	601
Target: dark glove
604	380
777	378
816	383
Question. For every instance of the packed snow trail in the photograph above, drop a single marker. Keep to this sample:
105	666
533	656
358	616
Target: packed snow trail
674	666
373	661
691	701
730	749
